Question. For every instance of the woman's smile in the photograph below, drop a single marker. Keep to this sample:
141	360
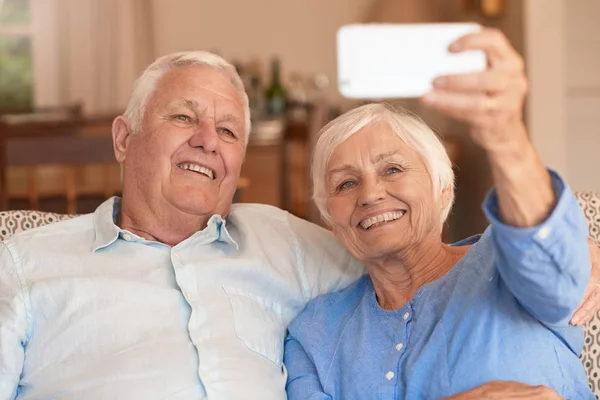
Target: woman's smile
380	219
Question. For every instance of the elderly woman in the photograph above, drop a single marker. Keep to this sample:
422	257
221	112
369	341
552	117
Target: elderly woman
431	320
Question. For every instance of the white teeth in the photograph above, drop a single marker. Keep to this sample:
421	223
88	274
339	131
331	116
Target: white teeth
197	168
381	218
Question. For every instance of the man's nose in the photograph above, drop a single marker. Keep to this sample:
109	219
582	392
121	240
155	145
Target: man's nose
205	137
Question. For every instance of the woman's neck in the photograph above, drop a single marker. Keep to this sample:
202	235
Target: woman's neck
397	278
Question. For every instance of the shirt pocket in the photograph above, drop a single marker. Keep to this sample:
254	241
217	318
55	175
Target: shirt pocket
258	323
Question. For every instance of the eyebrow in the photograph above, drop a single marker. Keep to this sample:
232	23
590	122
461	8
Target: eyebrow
339	170
188	103
383	156
231	118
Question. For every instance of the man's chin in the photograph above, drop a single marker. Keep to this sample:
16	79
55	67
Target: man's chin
195	206
201	202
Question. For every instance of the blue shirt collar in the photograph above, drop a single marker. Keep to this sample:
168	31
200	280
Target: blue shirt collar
107	231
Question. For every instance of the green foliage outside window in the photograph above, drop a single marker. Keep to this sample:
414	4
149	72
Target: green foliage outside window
16	81
15	73
14	12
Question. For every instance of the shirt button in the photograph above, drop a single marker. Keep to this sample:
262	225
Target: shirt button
405	316
127	237
399	346
389	376
543	233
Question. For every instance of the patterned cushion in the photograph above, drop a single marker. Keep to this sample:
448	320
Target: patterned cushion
12	222
590	203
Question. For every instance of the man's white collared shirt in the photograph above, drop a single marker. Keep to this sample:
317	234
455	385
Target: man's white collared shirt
90	311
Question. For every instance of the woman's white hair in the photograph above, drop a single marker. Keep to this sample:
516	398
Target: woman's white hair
145	85
409	128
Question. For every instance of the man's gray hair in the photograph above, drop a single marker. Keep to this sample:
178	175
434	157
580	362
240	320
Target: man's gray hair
145	85
410	129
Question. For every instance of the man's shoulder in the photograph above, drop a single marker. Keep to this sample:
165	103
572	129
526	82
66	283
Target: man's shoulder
54	232
255	210
271	219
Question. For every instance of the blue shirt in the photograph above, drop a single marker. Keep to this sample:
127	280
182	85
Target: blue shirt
91	311
501	312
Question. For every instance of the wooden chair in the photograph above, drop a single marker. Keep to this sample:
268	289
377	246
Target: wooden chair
76	148
68	144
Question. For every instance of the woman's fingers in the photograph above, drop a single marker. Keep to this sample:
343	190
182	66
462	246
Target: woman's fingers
491	41
463	106
491	101
487	81
474	108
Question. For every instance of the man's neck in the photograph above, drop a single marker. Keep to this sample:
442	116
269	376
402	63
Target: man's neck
397	278
167	225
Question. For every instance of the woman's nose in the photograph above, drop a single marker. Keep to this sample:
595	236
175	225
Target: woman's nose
371	191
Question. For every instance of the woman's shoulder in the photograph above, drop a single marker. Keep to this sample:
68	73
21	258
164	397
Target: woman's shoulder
331	309
478	245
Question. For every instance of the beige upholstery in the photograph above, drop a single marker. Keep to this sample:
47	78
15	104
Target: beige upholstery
12	222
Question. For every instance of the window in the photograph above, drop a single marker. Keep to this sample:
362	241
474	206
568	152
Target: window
16	67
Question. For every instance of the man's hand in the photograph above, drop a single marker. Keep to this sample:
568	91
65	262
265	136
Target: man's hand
506	390
590	304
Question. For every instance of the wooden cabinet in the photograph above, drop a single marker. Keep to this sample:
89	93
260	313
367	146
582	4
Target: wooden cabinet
263	170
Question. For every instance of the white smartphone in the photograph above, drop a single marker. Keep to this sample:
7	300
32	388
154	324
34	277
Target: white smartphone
380	61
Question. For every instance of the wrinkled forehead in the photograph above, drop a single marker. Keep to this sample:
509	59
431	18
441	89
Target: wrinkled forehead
372	144
201	87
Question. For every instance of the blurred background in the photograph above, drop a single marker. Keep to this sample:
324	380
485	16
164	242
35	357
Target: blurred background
67	68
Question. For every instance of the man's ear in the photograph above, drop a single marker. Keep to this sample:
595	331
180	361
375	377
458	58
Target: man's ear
120	134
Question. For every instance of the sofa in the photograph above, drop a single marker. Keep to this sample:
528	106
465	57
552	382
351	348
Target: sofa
12	222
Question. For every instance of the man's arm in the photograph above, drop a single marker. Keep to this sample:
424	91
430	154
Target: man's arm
590	304
303	382
323	262
13	326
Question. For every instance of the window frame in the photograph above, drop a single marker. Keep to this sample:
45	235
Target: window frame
43	33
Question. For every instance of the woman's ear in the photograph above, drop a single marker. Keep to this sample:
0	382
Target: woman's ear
327	223
446	197
121	135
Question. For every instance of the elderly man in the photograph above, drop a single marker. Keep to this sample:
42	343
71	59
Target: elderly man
170	291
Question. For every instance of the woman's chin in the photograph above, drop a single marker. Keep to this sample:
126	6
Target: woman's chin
382	241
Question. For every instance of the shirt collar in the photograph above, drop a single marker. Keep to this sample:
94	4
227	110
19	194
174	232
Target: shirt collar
105	223
107	231
217	224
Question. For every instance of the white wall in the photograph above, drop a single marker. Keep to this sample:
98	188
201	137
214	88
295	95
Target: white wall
563	56
560	45
583	93
301	32
546	68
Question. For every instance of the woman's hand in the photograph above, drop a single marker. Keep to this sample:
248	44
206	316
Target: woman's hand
491	102
506	390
